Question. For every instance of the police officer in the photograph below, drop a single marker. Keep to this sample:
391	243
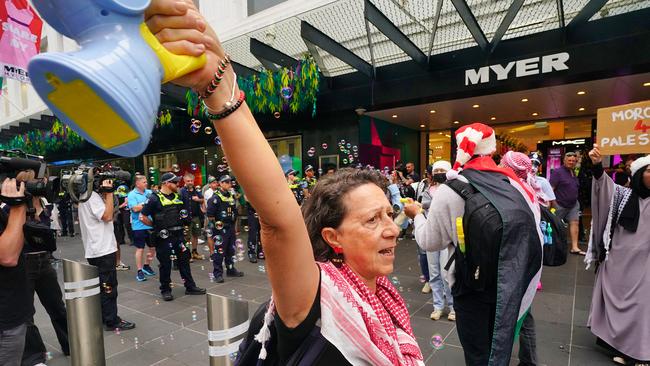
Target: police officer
254	245
295	185
65	213
222	214
310	180
167	214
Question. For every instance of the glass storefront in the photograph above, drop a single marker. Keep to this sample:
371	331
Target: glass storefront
288	150
439	146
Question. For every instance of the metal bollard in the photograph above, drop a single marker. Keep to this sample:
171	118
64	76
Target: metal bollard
82	300
227	325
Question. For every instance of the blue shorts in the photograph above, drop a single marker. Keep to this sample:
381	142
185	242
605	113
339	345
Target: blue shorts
142	237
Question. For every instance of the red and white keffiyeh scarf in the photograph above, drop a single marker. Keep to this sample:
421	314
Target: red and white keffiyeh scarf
367	328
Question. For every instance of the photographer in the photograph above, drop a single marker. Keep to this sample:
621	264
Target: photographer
96	223
41	276
15	307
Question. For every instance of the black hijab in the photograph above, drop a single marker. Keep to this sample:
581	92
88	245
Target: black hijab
629	217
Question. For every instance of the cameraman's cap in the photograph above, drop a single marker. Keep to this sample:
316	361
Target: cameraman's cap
225	178
308	168
169	178
211	179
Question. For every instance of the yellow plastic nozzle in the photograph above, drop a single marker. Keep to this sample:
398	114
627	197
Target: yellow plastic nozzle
404	200
461	234
174	65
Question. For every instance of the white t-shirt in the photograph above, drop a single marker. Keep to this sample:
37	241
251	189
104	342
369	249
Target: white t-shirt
547	191
97	235
208	193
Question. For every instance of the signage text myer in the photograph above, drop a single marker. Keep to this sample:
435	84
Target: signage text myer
526	67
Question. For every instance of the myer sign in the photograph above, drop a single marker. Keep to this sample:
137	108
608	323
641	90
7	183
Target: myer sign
517	69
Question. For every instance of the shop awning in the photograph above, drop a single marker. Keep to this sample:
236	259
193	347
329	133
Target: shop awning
361	35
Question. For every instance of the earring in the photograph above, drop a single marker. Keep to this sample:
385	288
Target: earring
337	260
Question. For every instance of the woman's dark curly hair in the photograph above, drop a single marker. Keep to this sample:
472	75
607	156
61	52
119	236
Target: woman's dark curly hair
326	206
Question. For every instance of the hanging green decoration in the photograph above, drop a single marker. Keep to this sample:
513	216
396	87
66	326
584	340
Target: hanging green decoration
164	118
287	90
39	142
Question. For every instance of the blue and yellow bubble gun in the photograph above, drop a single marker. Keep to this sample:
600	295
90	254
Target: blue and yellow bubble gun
109	90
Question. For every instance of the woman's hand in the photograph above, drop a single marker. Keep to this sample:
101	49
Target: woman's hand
181	28
595	155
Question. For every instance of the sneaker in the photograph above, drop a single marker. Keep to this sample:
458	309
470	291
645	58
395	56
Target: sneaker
147	270
197	256
436	314
451	316
233	272
122	325
194	291
167	296
252	259
426	289
140	276
218	279
122	267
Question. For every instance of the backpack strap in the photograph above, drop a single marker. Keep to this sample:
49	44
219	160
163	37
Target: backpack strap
465	190
310	349
450	261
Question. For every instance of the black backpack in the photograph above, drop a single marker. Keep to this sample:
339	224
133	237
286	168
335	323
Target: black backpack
476	264
554	236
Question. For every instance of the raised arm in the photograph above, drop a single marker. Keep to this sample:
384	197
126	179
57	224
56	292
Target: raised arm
289	258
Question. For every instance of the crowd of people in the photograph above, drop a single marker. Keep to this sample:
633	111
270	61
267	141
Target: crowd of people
329	243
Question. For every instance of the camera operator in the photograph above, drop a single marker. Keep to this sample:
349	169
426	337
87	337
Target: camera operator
41	276
96	223
15	307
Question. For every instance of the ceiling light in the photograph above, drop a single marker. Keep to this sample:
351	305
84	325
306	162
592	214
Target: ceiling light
535	114
475	106
456	122
449	136
422	126
646	84
524	100
582	92
581	109
539	141
432	111
493	118
439	133
394	116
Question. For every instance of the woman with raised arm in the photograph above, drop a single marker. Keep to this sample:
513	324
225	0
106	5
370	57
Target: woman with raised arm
619	245
327	270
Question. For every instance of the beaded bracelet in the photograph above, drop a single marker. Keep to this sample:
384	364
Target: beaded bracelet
229	108
218	76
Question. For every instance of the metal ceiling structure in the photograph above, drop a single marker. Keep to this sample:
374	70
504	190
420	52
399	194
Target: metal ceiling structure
361	35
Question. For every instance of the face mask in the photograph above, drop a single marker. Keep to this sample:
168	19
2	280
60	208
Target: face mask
440	177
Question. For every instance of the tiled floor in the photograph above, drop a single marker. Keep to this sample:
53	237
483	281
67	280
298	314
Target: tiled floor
175	333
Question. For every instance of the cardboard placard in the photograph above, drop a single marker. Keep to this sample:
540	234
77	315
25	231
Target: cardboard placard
624	129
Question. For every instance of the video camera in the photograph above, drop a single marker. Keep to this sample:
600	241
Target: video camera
14	161
81	182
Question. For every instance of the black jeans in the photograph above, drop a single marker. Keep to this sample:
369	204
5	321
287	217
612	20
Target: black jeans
165	250
42	279
254	246
108	286
527	342
67	222
475	322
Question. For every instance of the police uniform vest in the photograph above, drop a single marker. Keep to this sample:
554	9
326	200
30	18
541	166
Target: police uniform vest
169	217
297	188
225	205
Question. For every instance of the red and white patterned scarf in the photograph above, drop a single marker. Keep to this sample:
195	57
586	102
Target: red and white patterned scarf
366	328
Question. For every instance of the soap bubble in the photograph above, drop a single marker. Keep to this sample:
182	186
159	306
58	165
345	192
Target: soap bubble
345	161
217	141
152	170
218	239
196	122
210	162
184	214
320	171
108	289
164	234
437	341
276	115
207	130
195	129
193	166
246	228
342	148
311	152
324	146
355	148
175	168
286	92
348	145
342	142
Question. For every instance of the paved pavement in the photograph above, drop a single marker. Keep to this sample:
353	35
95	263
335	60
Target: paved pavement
175	333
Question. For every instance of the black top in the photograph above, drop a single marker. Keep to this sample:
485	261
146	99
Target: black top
192	207
221	210
15	305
